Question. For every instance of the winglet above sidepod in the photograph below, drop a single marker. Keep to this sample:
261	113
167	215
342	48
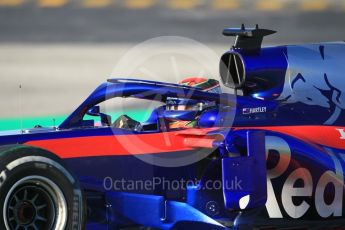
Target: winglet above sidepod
248	38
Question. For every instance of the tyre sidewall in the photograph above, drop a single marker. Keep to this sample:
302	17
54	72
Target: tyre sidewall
15	166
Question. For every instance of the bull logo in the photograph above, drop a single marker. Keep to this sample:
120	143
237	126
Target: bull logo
315	77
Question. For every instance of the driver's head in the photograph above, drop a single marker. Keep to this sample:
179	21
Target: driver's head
184	112
207	85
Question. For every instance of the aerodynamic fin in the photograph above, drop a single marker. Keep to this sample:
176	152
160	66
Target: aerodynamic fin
248	39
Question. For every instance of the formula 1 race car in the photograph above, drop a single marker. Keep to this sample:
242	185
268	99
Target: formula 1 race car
270	155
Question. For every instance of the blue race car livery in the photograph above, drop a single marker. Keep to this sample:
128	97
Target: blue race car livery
270	155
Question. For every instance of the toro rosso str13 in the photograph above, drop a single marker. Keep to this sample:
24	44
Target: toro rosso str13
271	155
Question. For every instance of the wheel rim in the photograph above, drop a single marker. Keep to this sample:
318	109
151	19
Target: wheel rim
35	202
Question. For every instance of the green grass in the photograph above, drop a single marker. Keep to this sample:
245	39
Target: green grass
48	121
29	122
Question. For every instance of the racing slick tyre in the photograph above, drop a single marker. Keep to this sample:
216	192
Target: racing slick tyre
37	191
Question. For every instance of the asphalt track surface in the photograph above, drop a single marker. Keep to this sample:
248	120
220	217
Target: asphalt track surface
59	55
114	25
56	78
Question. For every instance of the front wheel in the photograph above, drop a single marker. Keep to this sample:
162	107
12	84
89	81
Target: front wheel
37	192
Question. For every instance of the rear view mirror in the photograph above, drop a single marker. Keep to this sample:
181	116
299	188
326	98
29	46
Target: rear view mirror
94	111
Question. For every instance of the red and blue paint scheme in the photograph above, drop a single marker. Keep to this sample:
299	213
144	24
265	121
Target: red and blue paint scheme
274	153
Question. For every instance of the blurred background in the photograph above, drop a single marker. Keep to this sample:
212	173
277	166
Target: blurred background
53	53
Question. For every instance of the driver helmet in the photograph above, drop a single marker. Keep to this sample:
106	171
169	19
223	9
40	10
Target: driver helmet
184	112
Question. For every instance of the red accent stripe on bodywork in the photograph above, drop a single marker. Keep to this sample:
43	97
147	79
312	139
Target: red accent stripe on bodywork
117	145
183	140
